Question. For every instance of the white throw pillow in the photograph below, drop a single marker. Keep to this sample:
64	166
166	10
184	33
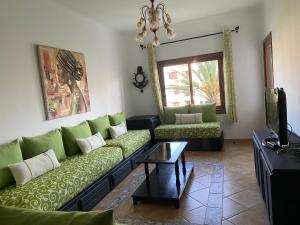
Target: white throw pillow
189	118
116	131
89	144
34	167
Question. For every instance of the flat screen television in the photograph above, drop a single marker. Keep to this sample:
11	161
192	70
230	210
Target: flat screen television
276	114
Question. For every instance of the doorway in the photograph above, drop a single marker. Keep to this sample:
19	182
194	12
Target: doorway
268	62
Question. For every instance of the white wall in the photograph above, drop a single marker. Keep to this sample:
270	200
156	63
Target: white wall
282	18
23	24
247	49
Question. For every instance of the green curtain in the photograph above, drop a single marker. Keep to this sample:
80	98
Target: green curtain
155	81
229	78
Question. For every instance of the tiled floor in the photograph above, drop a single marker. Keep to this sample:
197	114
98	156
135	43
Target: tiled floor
242	202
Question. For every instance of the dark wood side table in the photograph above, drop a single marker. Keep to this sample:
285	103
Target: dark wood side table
149	122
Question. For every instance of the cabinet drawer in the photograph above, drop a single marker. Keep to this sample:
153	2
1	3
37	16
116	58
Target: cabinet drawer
135	158
94	194
71	206
121	173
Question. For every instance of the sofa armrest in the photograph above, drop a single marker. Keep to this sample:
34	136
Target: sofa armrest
143	122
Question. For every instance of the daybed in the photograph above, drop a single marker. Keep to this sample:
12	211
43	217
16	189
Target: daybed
81	181
200	136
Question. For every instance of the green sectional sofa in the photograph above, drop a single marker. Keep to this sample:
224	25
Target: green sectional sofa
80	181
201	136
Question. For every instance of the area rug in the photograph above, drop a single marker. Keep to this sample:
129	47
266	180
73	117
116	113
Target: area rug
207	179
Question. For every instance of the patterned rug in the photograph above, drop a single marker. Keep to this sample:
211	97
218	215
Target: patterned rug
214	174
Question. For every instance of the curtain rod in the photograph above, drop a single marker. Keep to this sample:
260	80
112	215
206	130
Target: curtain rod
236	29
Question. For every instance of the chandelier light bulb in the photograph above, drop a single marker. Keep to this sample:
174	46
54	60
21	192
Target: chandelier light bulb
153	15
156	41
140	37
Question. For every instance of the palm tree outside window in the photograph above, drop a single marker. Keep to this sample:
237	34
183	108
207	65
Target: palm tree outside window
193	80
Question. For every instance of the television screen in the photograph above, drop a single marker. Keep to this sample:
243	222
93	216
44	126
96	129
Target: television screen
276	115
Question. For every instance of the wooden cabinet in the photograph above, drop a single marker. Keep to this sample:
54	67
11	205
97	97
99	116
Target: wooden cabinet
278	177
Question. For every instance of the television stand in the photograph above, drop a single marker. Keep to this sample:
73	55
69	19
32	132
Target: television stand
278	177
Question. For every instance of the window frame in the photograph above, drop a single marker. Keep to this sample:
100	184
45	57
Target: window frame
189	60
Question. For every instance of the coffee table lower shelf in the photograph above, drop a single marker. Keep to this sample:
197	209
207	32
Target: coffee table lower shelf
162	185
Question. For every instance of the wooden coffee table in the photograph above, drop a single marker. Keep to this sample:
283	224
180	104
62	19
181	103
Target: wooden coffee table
165	182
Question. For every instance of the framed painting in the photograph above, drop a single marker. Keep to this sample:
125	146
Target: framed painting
64	81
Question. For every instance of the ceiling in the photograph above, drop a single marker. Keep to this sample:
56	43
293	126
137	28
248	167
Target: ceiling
124	14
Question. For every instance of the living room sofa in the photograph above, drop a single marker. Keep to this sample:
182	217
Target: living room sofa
200	136
81	181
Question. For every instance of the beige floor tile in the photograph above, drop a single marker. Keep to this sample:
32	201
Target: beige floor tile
196	216
232	208
193	186
250	217
231	188
226	222
247	198
201	196
204	180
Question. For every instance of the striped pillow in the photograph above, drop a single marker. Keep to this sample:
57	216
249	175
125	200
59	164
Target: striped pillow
91	143
189	118
36	166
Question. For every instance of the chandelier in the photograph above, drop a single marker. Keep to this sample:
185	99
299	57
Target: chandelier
151	15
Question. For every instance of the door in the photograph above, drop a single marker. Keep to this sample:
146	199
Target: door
268	62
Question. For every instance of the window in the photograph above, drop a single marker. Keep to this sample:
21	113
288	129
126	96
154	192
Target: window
193	80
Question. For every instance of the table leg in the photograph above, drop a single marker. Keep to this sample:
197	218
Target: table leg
147	174
157	168
183	163
177	174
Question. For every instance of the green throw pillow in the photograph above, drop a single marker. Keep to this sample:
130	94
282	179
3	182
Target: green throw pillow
70	134
117	119
18	216
33	146
208	111
101	125
170	113
9	154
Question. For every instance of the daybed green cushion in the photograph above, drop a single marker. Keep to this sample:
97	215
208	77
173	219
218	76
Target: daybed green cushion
53	189
101	125
117	118
208	111
9	154
16	216
131	141
202	130
33	146
70	134
170	113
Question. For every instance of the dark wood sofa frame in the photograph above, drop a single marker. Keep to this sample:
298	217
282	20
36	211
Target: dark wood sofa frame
197	144
91	195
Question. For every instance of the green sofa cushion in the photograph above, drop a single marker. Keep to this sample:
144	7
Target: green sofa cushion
170	113
53	189
70	134
117	119
203	130
131	141
9	154
33	146
101	125
208	111
17	216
